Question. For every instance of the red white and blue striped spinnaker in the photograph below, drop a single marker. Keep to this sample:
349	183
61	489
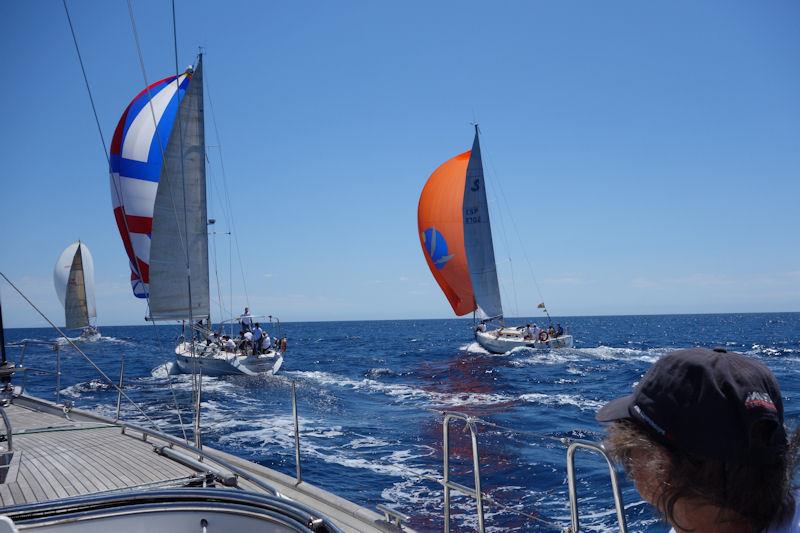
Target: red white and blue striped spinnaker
137	156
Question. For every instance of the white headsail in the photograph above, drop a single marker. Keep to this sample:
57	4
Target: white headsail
478	238
180	217
73	277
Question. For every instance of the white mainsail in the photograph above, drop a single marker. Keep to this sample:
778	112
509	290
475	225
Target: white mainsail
478	238
180	217
73	278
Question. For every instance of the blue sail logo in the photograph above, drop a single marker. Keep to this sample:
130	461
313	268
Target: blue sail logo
436	246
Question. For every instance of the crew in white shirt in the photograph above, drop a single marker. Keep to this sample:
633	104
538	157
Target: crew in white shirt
257	333
246	320
228	344
266	342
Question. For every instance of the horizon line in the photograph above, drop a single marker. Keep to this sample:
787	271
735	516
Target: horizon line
451	318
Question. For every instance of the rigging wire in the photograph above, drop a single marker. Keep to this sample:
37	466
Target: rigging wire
503	232
213	181
196	369
232	222
86	81
516	231
115	184
163	154
153	115
210	179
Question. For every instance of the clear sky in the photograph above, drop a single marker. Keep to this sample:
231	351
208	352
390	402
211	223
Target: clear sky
649	152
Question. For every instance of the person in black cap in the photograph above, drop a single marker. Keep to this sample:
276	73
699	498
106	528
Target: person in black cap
703	438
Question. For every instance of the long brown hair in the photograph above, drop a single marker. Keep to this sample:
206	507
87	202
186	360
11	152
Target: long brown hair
761	495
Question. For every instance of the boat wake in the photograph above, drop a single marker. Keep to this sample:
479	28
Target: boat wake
406	394
92	339
474	347
528	356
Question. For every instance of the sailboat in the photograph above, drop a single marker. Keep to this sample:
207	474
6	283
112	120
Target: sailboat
158	188
73	278
456	237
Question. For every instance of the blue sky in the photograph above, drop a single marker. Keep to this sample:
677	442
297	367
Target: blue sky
649	152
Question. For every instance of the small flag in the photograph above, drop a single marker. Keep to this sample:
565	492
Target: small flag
540	306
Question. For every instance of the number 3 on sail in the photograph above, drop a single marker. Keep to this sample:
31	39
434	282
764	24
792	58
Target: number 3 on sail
456	237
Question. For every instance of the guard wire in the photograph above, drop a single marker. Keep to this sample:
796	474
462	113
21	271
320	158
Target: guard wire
86	357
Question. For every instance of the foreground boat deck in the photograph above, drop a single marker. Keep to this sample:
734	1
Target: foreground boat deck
58	456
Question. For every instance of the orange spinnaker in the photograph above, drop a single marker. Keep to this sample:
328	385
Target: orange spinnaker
441	232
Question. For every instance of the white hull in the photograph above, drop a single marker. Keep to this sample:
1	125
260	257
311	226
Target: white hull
504	339
216	363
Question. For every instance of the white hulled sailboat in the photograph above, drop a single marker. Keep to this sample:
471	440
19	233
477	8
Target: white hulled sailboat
456	237
158	185
73	278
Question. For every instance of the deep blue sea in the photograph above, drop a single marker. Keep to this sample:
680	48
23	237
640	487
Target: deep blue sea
369	393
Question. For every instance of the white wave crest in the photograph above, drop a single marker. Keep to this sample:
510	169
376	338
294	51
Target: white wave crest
405	392
474	347
584	404
650	355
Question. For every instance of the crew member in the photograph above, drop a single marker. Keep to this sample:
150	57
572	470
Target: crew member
246	320
528	332
257	333
266	343
228	344
703	438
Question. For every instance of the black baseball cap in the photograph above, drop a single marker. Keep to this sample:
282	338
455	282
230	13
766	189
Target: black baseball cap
710	404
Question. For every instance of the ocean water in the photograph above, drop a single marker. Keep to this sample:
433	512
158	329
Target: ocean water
370	397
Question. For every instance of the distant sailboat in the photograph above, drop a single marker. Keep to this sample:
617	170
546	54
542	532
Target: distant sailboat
456	237
158	187
73	278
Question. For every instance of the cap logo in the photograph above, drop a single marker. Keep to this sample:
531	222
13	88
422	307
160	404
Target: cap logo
649	421
759	399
